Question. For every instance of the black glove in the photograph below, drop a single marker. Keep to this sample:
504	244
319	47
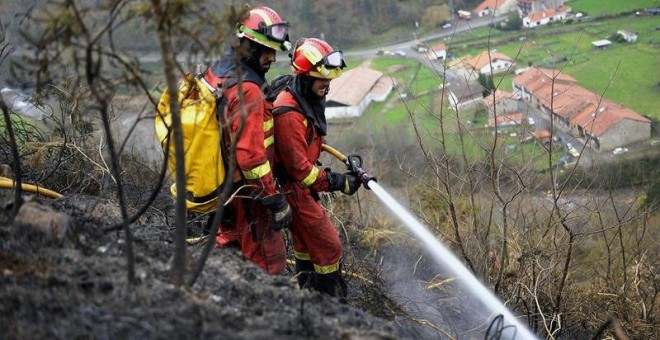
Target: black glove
348	182
276	86
281	210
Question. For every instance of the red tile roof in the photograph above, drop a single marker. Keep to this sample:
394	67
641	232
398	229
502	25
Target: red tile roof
573	102
438	47
541	134
540	76
492	4
548	13
608	114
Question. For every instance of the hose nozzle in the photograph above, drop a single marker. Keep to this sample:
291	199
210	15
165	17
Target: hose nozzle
354	164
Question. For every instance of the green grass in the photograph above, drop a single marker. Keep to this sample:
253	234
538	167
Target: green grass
604	7
632	66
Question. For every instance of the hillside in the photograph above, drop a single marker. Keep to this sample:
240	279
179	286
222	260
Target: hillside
62	276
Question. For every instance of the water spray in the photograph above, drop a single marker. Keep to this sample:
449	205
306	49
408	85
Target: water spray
437	250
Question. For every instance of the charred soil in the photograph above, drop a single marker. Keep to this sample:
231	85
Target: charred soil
63	275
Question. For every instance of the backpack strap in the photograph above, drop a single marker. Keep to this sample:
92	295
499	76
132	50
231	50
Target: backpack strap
280	110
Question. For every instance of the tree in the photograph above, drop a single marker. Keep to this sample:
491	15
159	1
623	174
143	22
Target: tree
514	23
435	16
487	82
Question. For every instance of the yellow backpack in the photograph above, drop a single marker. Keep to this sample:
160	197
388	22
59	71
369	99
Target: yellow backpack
203	145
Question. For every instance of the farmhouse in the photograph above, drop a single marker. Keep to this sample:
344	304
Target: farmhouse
494	7
351	93
627	35
611	125
544	17
490	62
437	52
599	123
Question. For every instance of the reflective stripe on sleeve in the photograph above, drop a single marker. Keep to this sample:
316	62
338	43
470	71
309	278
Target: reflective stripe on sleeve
269	141
268	125
257	172
311	178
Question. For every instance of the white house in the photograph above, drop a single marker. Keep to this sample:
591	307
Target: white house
629	36
437	52
486	62
545	17
351	93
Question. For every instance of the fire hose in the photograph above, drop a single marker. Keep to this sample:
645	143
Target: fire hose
353	163
7	183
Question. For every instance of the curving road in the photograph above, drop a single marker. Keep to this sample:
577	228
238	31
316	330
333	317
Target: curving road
457	27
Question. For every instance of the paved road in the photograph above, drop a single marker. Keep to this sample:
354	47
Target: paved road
459	26
410	46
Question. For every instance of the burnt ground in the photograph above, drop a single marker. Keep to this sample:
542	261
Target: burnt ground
63	276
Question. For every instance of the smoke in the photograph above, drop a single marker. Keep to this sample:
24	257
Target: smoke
442	297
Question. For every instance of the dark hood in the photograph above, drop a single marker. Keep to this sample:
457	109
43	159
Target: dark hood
313	106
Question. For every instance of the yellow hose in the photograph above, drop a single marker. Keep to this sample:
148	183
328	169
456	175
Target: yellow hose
7	183
329	149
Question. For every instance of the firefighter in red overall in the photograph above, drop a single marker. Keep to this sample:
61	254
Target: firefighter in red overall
253	219
300	129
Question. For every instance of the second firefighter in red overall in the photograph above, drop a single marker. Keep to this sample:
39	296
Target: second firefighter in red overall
300	129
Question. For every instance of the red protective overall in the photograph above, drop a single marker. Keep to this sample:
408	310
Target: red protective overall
248	222
298	148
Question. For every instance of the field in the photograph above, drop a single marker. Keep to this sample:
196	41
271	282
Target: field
606	7
622	73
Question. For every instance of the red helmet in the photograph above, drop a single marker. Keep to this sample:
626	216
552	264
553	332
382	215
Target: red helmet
316	58
264	26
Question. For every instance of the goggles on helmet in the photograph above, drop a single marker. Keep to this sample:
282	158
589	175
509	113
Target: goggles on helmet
277	32
274	36
330	65
332	60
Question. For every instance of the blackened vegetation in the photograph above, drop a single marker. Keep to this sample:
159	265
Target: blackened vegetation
72	284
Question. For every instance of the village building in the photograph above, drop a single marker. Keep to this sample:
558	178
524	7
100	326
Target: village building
352	93
437	52
627	35
509	119
465	94
495	7
576	111
489	62
544	17
610	125
501	102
